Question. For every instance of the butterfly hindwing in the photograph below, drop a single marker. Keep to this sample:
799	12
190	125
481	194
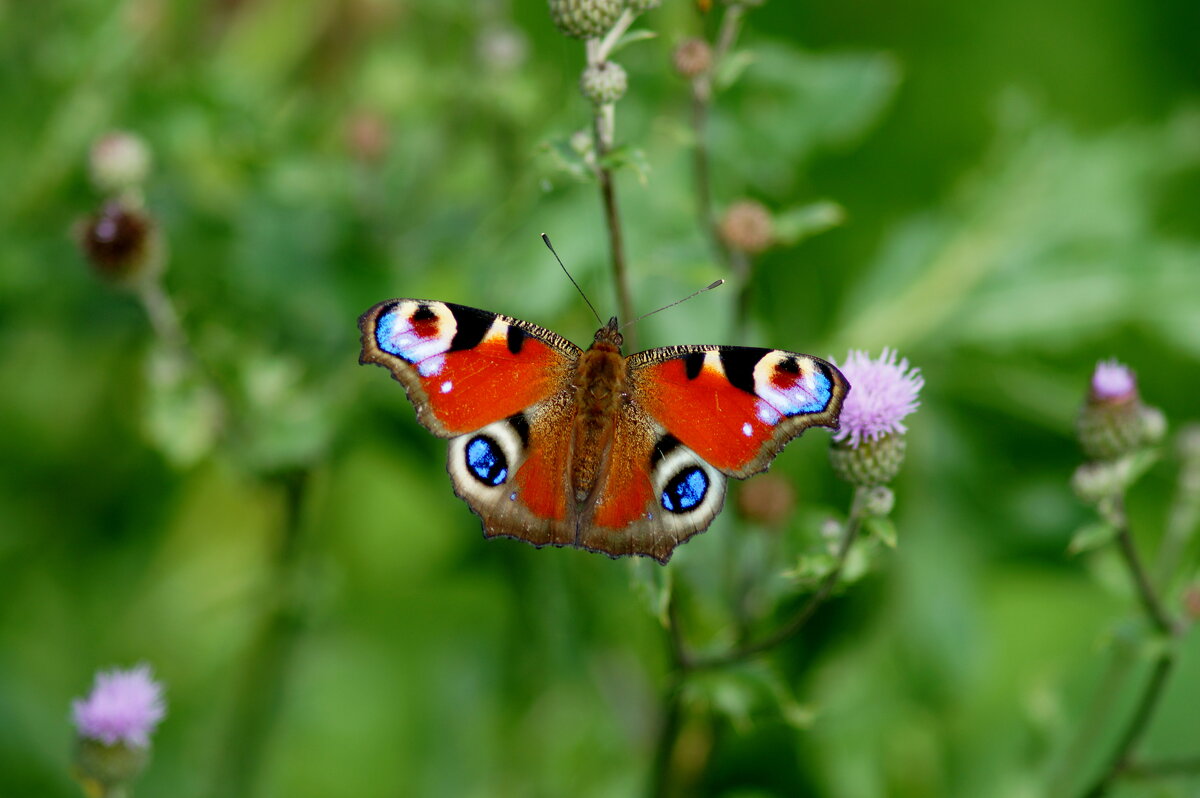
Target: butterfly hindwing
655	494
736	406
513	474
464	368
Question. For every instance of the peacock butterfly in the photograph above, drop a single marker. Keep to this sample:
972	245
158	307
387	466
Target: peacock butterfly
555	445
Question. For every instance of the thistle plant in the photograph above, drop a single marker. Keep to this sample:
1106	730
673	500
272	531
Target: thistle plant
113	724
867	452
1119	435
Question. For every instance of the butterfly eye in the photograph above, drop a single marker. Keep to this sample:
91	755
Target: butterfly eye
486	461
685	490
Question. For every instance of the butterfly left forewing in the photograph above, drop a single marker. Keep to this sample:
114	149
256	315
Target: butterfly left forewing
735	406
464	368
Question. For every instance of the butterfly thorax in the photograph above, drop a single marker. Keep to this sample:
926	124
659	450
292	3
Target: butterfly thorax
601	389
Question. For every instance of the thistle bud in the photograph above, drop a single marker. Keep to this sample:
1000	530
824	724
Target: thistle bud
1098	480
642	6
873	462
603	83
747	227
1113	421
119	161
585	19
113	726
878	501
121	243
869	447
767	499
693	57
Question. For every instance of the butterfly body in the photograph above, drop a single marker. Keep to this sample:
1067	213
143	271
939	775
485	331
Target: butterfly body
555	445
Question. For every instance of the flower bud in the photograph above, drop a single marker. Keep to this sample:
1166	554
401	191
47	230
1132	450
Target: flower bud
121	243
113	726
767	499
585	19
1154	426
366	136
878	501
119	161
870	462
1113	421
603	83
1099	479
642	6
747	227
692	57
1191	601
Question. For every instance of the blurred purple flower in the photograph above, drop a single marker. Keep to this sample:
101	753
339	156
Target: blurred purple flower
882	393
123	705
1112	382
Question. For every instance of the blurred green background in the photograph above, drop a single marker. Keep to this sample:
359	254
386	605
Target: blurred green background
1021	183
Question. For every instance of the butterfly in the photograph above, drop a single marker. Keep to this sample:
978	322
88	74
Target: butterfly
555	445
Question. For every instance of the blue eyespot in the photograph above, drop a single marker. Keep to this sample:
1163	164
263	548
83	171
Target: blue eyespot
486	461
685	490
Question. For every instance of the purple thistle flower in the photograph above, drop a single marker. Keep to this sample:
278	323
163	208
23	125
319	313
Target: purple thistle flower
1112	382
123	705
882	393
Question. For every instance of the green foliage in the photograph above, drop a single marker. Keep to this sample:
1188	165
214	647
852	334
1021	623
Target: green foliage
1005	193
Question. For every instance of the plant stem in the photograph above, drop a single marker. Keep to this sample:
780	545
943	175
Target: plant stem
260	693
807	610
1164	662
1151	604
1167	767
661	776
1137	726
163	316
603	135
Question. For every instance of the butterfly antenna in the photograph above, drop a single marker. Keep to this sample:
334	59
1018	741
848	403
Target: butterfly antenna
546	240
676	302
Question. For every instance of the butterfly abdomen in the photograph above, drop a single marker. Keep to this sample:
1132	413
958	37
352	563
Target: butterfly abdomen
601	386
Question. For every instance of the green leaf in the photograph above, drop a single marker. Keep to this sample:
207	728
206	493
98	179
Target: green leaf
1137	463
882	529
563	158
1091	536
183	415
731	68
631	157
795	224
637	35
653	585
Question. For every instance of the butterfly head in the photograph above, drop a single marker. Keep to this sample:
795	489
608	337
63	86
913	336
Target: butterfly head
608	335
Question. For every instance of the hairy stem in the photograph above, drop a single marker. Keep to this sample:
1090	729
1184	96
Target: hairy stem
603	135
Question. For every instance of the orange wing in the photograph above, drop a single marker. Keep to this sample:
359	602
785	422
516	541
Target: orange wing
464	368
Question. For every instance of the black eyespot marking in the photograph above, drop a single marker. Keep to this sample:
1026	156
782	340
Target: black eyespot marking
471	326
739	363
692	363
516	339
685	491
789	364
666	444
486	461
520	425
423	313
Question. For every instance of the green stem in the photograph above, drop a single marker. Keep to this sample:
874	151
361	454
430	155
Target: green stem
1164	662
1164	768
807	610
